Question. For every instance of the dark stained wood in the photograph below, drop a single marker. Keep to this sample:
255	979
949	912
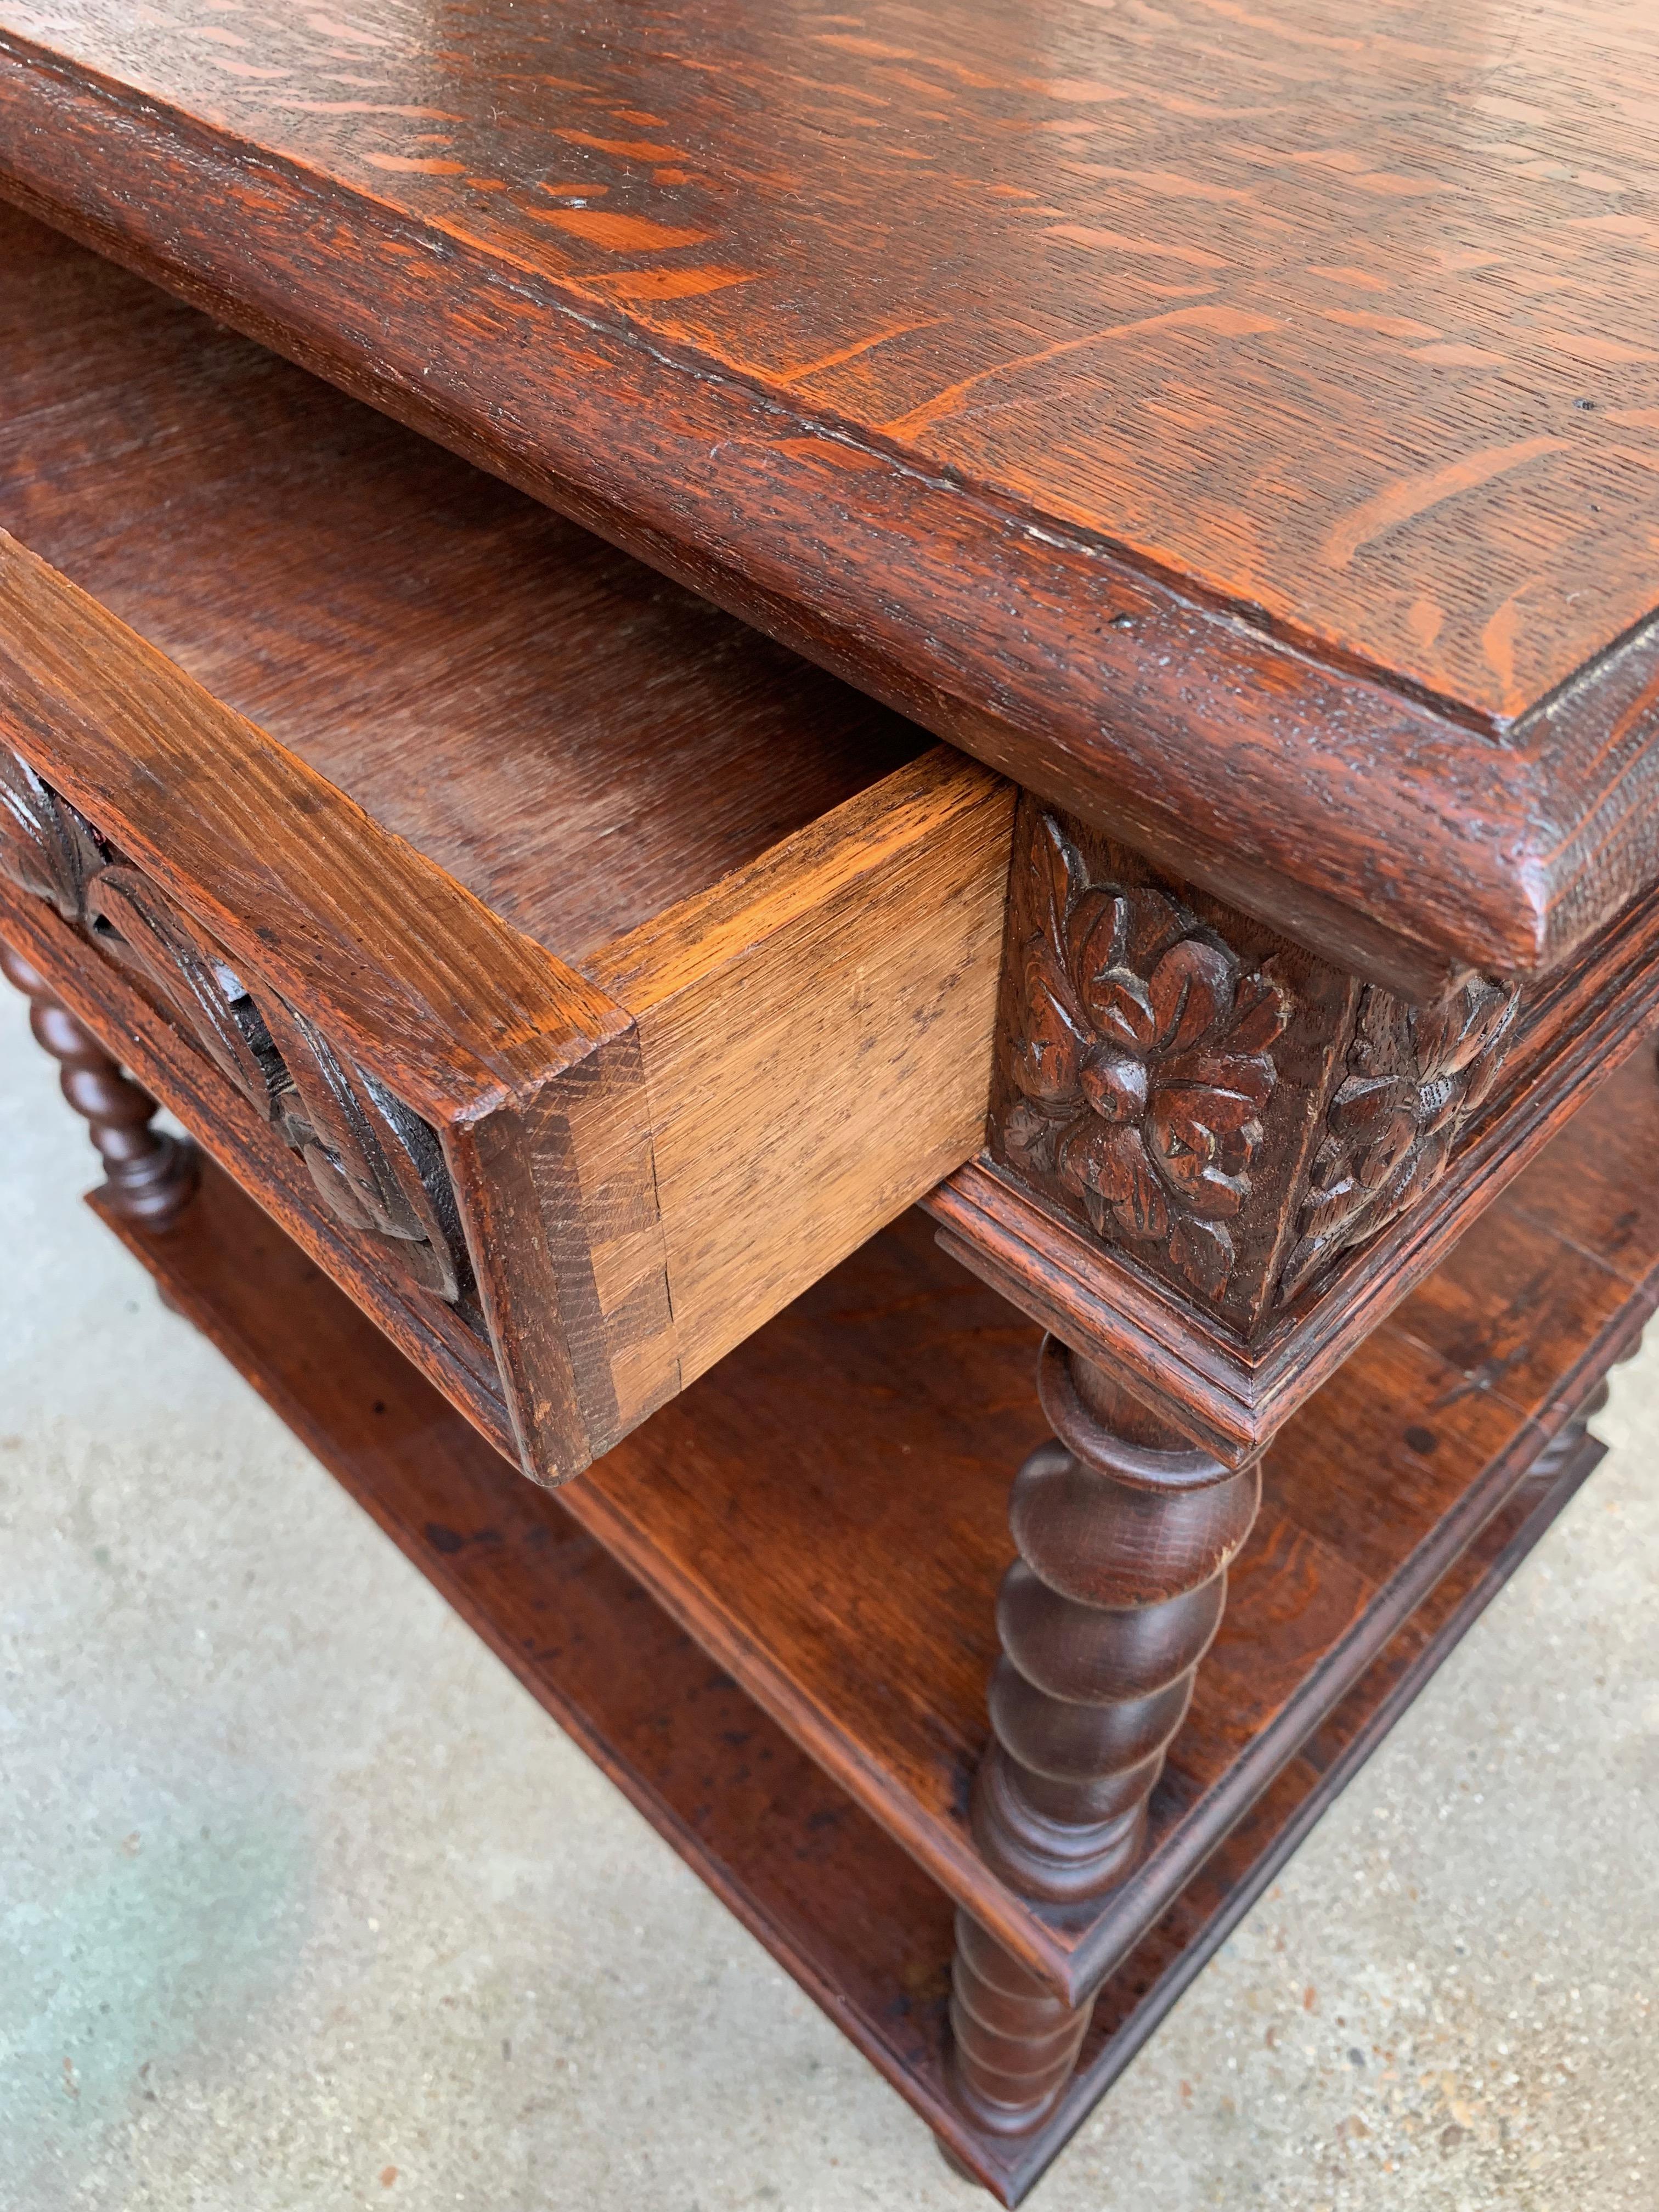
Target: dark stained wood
1597	1201
1210	416
1065	353
776	1511
1125	1535
445	650
1162	1067
1169	1959
1496	1305
837	1903
1334	1568
444	1344
757	1819
1013	2043
164	416
1230	1368
150	1178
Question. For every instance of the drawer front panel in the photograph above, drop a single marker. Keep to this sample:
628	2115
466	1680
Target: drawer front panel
377	1167
116	1004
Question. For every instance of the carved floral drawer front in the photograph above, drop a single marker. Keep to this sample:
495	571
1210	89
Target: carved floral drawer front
377	1168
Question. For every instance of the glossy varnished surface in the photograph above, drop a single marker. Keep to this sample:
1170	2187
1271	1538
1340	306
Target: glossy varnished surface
1337	312
1179	410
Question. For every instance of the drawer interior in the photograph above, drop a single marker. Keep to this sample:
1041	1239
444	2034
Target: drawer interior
568	928
580	743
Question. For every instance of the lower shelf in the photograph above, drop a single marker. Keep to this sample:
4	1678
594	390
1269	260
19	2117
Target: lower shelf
826	1513
839	1904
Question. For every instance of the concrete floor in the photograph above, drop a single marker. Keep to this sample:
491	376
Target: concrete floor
306	1905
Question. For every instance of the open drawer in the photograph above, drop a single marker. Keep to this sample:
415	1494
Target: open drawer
580	975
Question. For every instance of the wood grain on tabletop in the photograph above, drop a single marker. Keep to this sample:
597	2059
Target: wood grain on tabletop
1301	303
940	342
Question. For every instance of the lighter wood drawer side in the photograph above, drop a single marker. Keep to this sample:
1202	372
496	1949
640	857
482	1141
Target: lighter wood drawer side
612	1171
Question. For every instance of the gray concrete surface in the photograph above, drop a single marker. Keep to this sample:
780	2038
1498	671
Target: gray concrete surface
303	1903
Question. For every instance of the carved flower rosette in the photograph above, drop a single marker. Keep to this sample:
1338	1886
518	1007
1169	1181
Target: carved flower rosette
1141	1061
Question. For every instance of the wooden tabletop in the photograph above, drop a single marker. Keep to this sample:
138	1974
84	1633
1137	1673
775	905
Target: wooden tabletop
1239	420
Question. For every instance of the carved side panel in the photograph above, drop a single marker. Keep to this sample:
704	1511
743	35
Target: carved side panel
1163	1064
1211	1101
1415	1075
377	1166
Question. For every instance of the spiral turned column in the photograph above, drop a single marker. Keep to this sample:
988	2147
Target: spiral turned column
1013	2042
1124	1533
148	1178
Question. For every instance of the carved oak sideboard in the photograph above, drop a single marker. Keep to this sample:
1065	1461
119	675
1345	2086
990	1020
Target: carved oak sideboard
807	822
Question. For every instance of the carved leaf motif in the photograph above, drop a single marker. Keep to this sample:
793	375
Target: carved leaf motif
1192	992
1247	1075
47	847
1125	1186
1141	1056
1261	1012
1049	884
1414	1077
1119	1006
1203	1251
1365	1106
1028	1135
1047	1062
1114	1084
1204	1141
141	927
363	1148
376	1165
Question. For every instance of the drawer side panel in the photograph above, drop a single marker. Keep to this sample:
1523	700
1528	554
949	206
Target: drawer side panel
818	1035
